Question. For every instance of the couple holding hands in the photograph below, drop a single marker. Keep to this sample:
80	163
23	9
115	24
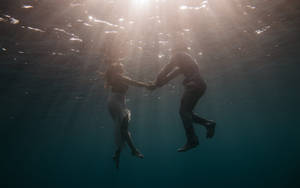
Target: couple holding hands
194	87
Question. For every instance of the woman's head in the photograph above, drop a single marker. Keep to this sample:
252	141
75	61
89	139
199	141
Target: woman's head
116	68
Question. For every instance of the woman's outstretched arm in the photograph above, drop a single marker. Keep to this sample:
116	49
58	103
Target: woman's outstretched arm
132	82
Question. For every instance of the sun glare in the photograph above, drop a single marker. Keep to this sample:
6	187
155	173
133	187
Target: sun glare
140	3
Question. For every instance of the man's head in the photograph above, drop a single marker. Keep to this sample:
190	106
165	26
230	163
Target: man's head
179	46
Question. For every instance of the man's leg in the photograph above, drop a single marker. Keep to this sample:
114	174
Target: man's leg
208	124
188	102
199	120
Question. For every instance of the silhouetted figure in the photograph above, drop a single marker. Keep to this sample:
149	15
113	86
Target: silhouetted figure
118	85
182	63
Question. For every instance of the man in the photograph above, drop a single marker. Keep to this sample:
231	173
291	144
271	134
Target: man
182	63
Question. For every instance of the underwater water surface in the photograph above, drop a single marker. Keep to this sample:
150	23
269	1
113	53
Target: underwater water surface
55	127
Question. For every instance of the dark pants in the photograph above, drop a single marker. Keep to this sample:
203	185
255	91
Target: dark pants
188	101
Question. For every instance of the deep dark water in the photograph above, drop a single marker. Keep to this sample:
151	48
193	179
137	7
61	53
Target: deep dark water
56	131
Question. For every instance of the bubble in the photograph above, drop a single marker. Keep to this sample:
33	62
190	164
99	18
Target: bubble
27	6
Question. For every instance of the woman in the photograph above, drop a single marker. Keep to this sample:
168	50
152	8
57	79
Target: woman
118	85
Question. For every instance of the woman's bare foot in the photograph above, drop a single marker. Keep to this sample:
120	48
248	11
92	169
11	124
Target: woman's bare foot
116	158
137	154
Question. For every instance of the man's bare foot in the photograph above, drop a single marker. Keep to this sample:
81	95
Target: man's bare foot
210	128
188	146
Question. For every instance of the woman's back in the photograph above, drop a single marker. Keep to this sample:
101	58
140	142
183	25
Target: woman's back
118	86
114	79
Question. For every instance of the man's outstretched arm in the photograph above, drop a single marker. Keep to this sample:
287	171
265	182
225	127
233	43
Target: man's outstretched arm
167	69
132	82
168	77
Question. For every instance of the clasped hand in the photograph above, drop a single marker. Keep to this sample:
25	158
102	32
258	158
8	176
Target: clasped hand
151	86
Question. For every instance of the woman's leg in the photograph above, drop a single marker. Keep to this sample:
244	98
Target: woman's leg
119	141
128	138
116	156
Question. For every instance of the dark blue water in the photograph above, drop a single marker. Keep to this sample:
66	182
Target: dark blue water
54	124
